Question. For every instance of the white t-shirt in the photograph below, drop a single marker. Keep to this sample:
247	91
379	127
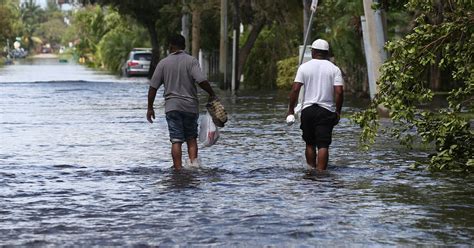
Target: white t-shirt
319	78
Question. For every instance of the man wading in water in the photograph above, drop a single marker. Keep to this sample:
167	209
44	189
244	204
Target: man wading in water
323	85
179	72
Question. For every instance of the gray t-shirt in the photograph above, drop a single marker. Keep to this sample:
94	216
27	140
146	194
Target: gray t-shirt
179	72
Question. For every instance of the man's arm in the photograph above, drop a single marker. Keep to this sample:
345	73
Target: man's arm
150	114
207	88
295	90
155	82
339	95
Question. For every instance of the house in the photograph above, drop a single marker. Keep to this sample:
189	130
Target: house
64	5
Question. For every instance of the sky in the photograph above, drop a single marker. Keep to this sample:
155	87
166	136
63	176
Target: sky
44	4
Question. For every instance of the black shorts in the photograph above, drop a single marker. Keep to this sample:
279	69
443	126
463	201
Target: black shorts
317	124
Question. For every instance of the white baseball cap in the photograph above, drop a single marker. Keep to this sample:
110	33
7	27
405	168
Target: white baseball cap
320	44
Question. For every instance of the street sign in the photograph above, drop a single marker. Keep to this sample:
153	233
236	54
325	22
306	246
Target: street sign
307	54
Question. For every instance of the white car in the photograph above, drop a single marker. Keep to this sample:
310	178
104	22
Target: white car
138	62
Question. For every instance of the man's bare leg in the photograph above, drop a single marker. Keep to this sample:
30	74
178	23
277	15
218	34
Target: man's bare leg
323	156
176	153
310	154
192	149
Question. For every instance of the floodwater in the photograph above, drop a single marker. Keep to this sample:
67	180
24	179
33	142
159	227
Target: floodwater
80	166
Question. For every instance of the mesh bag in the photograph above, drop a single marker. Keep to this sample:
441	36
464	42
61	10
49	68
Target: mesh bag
217	112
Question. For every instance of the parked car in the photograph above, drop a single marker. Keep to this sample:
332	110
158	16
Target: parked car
46	49
138	62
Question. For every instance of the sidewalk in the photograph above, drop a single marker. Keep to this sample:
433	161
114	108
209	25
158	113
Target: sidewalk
45	56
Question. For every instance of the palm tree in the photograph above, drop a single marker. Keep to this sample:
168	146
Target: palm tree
30	15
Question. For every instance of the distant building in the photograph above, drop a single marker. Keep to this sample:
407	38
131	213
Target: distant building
62	4
67	4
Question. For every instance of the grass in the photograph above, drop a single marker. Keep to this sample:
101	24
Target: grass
2	60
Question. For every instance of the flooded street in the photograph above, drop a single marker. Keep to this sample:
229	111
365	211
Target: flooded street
81	166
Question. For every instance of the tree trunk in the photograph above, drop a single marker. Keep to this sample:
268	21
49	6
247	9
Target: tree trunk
435	78
185	24
155	45
247	47
196	27
435	72
223	40
237	37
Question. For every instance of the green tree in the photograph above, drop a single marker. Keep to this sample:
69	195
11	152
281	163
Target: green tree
404	86
90	27
199	8
114	47
210	21
338	21
52	31
9	17
124	35
149	13
105	37
258	15
269	48
30	15
6	22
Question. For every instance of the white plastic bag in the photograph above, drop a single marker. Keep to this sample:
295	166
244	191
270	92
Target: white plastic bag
208	132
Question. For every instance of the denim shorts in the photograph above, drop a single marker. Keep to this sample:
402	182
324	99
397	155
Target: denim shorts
182	126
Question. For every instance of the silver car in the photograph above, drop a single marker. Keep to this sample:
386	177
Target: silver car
138	62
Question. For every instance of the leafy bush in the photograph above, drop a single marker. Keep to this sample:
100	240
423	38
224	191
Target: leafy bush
89	28
286	72
261	69
106	37
114	47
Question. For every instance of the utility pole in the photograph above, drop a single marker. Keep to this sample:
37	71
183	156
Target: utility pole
223	43
235	47
374	41
368	60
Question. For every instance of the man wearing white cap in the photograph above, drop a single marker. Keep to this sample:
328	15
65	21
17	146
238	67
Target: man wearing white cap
322	103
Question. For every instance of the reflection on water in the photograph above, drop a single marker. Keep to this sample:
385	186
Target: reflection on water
184	179
80	166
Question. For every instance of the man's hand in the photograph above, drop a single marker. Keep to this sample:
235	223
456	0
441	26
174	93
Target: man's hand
151	98
295	91
207	88
338	118
150	115
211	98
